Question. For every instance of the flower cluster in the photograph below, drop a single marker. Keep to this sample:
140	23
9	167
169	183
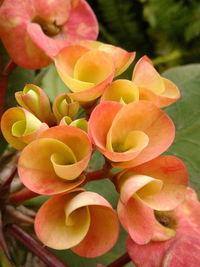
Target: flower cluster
34	31
123	120
127	126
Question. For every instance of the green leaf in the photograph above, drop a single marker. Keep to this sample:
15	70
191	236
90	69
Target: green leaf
51	83
16	82
97	161
185	114
106	189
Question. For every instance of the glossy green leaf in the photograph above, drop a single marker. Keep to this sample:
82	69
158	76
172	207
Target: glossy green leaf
51	83
16	82
185	114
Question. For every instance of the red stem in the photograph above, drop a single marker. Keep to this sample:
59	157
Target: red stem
4	82
99	174
120	261
3	244
8	181
22	195
9	68
3	87
34	246
96	175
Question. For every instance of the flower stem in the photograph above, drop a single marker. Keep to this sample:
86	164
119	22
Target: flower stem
120	261
3	245
22	195
9	68
99	174
34	246
8	181
4	83
164	59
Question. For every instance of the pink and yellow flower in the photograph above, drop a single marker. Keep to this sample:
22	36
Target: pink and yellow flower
121	57
123	91
145	191
86	72
79	123
152	86
63	152
183	249
34	31
82	221
129	135
34	99
63	106
20	127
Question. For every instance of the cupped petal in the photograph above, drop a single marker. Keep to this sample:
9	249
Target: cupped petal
155	127
63	152
121	57
145	76
173	173
82	23
81	124
141	185
182	250
14	18
121	90
78	220
65	121
169	96
137	219
90	44
162	233
152	86
149	254
47	27
66	59
73	137
98	126
57	230
93	67
38	174
20	127
63	106
86	73
57	10
142	116
75	21
171	90
104	227
92	93
34	99
130	147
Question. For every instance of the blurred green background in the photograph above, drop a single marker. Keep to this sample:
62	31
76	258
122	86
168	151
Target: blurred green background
165	30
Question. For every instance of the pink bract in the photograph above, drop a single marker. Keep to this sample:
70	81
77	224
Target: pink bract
131	134
63	152
158	185
82	221
34	31
152	86
183	249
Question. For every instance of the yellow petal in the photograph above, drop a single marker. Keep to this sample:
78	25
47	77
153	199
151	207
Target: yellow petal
121	90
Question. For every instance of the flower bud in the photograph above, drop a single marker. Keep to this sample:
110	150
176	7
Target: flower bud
20	127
